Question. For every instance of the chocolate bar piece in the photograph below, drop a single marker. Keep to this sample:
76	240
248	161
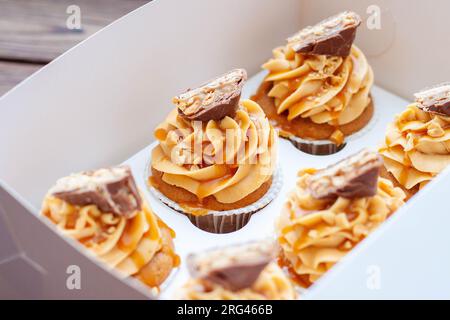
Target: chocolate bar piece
112	190
235	267
332	37
353	177
435	100
214	100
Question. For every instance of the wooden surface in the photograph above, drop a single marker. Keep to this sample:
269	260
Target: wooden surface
11	73
34	32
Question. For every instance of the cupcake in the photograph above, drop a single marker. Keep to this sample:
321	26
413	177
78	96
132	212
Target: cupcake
331	211
216	156
317	91
105	212
242	272
417	144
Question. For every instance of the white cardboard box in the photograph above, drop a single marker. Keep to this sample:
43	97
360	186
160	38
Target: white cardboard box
97	105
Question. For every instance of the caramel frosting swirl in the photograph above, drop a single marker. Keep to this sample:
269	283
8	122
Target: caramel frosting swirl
417	147
272	284
325	89
228	158
133	246
315	234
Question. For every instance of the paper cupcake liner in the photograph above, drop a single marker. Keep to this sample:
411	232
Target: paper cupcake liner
225	221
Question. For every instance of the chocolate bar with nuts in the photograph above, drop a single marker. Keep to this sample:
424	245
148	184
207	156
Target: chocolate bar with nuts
214	100
351	178
112	190
235	267
435	100
332	37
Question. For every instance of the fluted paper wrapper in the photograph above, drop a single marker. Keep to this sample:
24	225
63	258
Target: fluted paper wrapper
230	220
